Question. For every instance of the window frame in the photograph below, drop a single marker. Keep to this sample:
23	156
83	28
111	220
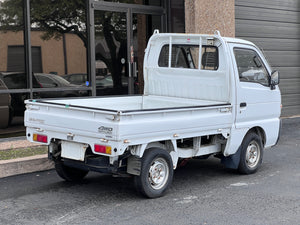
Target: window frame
262	61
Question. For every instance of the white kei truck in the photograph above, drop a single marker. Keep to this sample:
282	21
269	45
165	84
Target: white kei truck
203	95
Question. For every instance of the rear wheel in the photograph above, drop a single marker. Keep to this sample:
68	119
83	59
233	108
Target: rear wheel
251	154
69	173
156	173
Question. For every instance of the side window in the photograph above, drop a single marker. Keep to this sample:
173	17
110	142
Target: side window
163	60
44	80
251	67
210	58
77	79
187	56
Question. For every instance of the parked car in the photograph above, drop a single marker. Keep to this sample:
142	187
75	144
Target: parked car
104	84
18	80
5	106
76	78
55	81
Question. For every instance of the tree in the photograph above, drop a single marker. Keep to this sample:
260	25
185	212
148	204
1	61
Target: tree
54	17
58	17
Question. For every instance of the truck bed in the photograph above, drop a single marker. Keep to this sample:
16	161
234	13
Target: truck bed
132	103
126	120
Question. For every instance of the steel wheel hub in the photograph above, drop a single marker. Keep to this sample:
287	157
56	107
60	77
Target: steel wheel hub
158	173
252	154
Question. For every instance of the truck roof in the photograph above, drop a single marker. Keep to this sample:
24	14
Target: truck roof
216	35
237	40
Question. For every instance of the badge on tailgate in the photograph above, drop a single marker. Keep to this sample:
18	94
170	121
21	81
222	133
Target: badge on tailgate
105	130
73	150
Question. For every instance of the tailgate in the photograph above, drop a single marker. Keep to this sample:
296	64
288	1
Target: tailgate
67	120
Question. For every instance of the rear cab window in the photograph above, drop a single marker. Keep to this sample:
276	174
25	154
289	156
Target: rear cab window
187	56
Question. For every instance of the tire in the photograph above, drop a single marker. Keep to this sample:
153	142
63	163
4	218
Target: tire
155	163
251	154
69	173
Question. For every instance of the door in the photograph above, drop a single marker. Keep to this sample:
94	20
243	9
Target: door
141	35
121	32
256	104
111	53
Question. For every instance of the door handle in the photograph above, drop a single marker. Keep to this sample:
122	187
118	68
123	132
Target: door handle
243	104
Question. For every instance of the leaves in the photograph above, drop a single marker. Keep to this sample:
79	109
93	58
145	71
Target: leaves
55	17
11	15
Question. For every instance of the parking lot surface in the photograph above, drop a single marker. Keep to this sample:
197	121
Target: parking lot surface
203	192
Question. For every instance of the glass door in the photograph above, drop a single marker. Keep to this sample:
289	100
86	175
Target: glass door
111	53
142	28
120	34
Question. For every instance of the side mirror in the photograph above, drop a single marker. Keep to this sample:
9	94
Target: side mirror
275	79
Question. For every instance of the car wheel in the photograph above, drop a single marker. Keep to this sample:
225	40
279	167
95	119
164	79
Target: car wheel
156	173
69	173
251	154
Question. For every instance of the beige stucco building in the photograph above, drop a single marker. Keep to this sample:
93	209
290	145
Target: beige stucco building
202	16
54	56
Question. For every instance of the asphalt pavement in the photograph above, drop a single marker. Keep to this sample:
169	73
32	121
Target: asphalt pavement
203	192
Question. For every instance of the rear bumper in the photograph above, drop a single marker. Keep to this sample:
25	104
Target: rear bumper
96	163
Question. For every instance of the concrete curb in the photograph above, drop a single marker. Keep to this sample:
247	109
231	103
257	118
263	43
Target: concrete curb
25	165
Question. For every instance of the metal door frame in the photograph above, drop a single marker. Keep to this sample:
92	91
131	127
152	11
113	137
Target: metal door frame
129	9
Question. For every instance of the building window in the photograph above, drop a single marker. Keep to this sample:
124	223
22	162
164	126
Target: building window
15	59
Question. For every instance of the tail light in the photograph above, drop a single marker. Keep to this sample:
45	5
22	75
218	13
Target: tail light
103	149
40	138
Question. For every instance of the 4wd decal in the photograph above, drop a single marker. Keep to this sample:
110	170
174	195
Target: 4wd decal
105	130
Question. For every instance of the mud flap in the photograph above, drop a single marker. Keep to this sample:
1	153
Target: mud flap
232	161
134	165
